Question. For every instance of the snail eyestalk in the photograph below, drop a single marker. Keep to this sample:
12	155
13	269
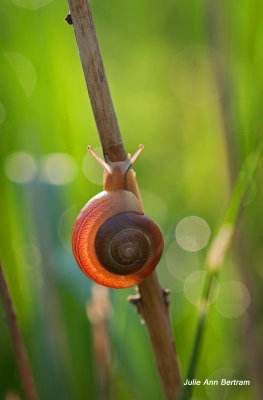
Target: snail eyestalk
104	165
135	155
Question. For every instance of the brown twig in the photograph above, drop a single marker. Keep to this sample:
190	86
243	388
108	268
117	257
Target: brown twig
156	316
96	80
98	312
153	302
23	365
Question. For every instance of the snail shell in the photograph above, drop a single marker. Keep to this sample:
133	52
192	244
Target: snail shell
114	243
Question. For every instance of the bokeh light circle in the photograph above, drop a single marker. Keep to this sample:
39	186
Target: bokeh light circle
179	262
24	71
192	233
91	168
58	168
233	299
193	287
20	167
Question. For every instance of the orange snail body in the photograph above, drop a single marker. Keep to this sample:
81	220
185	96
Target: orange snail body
113	242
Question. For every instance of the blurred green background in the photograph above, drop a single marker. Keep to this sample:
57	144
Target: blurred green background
186	81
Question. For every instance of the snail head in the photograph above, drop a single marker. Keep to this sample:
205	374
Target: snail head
115	172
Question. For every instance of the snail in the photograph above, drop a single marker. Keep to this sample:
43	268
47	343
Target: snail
114	243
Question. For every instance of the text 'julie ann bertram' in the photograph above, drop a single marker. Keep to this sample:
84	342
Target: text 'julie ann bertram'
221	382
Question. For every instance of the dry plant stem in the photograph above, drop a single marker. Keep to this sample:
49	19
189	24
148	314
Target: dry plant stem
154	310
154	306
25	373
98	312
96	80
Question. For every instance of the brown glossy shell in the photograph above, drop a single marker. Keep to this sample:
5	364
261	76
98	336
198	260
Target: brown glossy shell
89	229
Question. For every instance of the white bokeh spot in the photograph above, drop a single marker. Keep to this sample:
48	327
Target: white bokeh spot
91	168
192	233
179	262
194	285
24	71
233	299
20	167
58	168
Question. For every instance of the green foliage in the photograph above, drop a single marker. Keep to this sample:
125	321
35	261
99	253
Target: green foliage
158	62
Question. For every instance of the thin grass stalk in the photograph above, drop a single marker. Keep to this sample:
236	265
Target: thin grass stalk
216	254
218	38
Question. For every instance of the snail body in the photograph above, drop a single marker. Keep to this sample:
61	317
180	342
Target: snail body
113	242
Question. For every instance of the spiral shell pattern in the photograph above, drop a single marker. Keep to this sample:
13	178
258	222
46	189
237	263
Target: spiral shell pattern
113	247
